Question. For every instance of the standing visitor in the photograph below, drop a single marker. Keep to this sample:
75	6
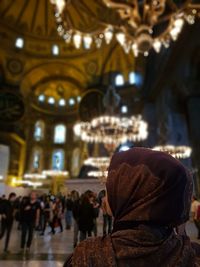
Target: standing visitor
46	214
86	216
7	211
96	206
107	219
68	211
57	215
75	211
30	214
195	212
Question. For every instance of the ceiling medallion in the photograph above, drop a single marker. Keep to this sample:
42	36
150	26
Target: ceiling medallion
179	152
143	24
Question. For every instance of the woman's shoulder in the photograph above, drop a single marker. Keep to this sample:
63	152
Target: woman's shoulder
93	251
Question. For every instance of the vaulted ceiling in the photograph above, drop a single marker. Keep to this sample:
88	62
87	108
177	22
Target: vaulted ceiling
35	70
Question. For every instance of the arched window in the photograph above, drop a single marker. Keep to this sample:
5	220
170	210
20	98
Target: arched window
132	78
119	80
75	163
60	134
39	130
36	159
135	78
58	159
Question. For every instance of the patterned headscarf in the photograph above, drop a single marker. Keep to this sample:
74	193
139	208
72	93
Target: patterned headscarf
148	186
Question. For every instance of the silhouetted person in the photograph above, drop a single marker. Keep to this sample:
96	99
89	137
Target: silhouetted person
30	212
86	216
7	212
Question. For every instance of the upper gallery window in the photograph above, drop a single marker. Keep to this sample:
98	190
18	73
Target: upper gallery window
55	50
19	42
71	101
41	98
59	134
58	158
62	102
78	98
132	77
124	109
39	130
51	100
135	78
119	80
37	154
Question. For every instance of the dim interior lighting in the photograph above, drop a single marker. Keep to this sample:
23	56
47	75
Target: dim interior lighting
55	173
19	43
179	152
135	29
1	177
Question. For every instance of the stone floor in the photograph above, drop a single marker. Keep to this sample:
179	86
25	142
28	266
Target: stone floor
49	250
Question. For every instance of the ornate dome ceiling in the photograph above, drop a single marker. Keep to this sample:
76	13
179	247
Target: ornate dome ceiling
35	18
34	69
31	18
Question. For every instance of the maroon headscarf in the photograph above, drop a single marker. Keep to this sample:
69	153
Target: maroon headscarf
148	186
150	191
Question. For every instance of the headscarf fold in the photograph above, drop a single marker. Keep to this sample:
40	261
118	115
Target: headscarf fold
148	186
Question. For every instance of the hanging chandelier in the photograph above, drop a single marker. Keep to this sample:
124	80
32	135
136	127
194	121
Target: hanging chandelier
141	25
35	176
101	175
55	173
179	152
101	163
27	183
112	131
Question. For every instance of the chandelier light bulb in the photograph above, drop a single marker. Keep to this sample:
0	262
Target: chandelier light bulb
77	38
87	41
121	38
60	5
108	35
157	45
179	23
179	152
98	42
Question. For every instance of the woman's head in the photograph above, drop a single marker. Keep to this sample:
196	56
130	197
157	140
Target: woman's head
145	185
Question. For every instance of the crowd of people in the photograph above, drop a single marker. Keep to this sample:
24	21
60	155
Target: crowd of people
148	196
39	212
